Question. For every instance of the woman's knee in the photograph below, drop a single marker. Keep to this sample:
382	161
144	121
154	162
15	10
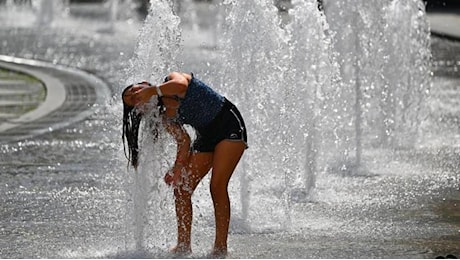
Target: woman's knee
218	190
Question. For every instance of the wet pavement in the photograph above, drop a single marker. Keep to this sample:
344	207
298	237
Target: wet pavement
62	195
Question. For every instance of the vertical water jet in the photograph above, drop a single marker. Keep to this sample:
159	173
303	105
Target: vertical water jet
156	54
383	87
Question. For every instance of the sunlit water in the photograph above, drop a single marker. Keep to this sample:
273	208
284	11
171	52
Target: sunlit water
296	193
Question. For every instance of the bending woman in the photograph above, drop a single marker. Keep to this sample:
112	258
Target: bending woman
220	143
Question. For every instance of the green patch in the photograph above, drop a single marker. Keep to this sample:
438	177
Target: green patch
14	75
30	100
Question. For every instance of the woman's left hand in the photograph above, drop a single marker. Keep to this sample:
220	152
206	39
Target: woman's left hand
174	176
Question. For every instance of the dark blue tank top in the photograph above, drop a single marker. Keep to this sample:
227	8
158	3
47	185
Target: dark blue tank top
200	105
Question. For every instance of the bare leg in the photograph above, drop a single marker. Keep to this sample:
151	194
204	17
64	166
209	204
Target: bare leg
226	156
198	167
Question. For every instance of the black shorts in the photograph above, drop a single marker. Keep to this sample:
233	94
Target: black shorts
227	125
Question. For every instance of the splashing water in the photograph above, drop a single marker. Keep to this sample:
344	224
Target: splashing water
271	87
382	98
254	53
408	79
277	77
158	45
155	55
295	83
310	95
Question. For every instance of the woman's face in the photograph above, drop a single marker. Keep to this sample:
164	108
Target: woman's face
132	96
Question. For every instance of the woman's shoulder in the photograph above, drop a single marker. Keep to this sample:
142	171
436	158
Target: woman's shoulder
179	76
175	74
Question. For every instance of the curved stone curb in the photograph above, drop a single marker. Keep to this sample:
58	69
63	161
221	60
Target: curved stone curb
445	25
71	94
55	96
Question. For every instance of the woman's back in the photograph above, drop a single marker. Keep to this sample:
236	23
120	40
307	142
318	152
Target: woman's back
200	105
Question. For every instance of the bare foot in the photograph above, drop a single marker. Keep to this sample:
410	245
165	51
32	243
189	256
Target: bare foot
219	253
181	250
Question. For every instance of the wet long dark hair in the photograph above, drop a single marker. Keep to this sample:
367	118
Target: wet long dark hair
131	122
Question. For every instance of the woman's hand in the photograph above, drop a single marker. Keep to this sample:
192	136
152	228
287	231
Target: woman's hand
174	177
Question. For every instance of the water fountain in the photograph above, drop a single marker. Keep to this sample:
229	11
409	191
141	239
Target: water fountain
303	107
112	17
45	13
276	75
155	55
312	109
245	77
387	95
279	101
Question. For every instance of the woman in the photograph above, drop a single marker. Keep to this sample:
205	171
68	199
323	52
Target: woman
220	143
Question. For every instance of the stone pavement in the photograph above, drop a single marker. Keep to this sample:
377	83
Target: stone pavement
49	98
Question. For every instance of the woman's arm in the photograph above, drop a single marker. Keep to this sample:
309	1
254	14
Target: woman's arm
175	86
182	139
183	150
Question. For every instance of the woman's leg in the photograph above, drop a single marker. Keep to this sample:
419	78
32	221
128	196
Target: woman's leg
198	167
226	156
